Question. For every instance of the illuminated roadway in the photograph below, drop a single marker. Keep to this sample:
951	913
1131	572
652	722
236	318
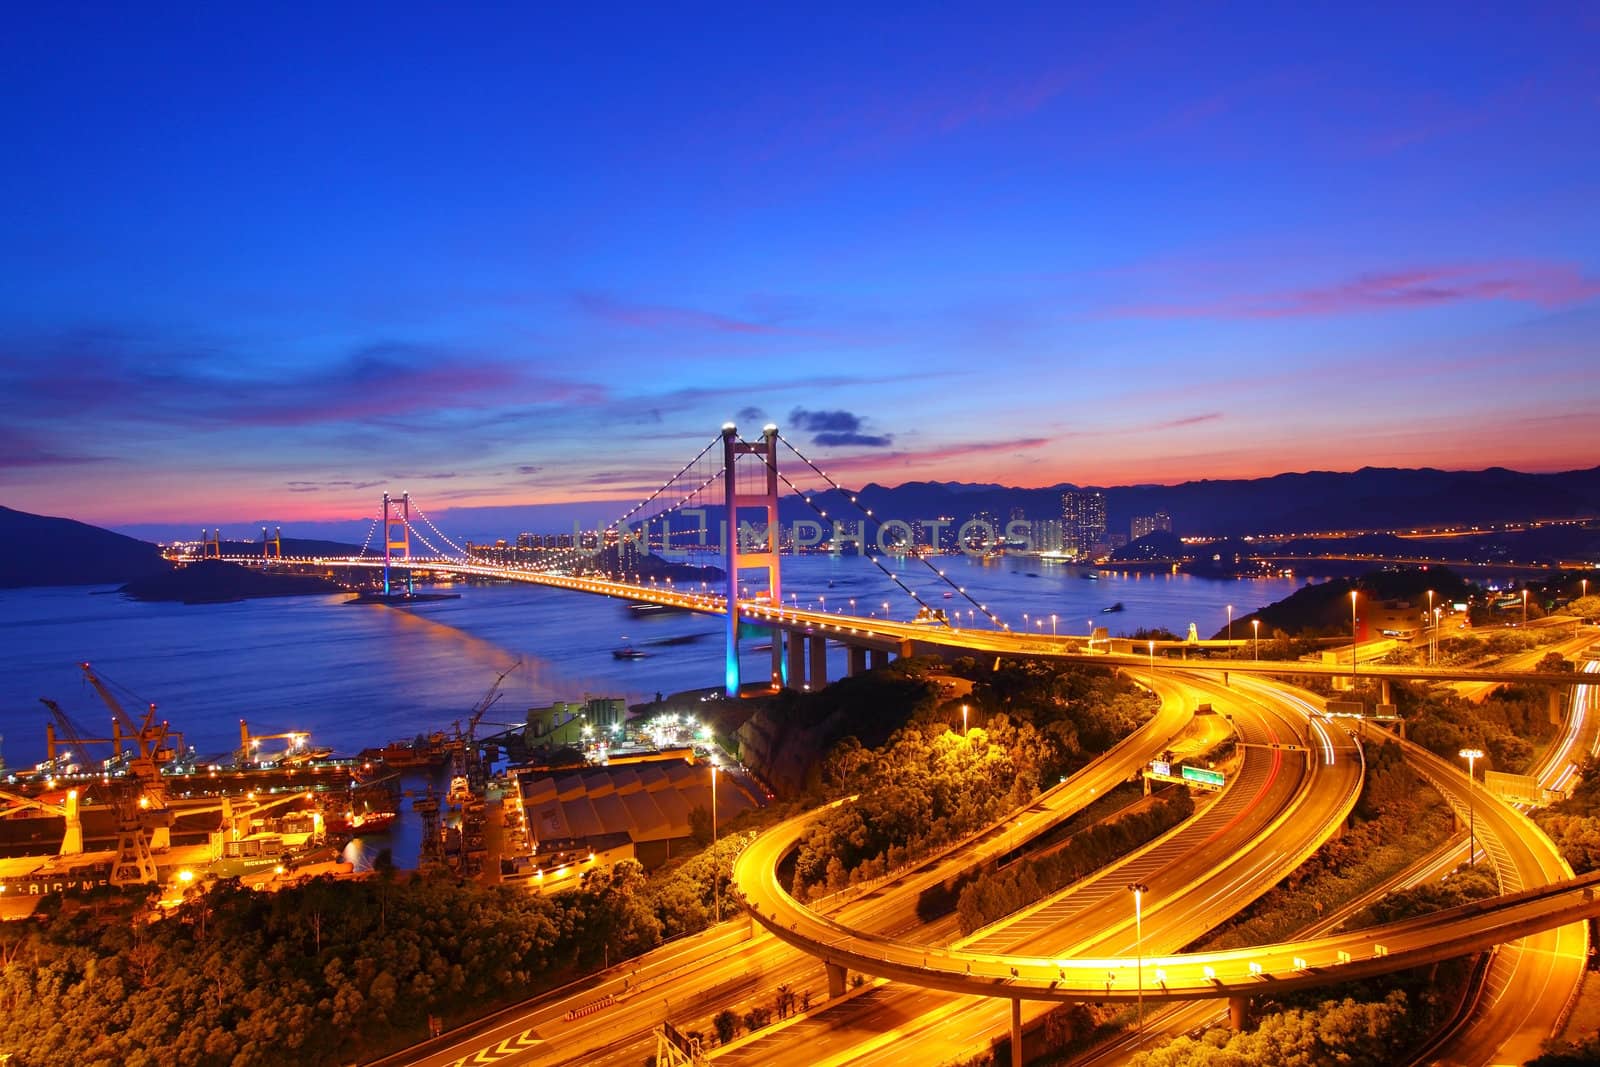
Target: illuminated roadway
902	637
1277	812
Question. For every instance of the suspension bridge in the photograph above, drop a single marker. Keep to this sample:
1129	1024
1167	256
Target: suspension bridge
736	481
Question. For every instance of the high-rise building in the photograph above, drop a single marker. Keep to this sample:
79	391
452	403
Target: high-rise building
1083	521
1149	524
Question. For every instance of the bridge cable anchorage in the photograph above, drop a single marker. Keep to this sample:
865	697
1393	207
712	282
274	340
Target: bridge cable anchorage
867	512
443	536
371	529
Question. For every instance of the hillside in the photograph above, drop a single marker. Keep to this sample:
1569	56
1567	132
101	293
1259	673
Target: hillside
1370	498
43	550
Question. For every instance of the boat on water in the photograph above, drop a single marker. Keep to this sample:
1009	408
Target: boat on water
627	651
1090	577
430	751
645	609
360	823
1107	610
949	596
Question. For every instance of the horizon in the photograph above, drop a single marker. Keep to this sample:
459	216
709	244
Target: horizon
1085	247
597	513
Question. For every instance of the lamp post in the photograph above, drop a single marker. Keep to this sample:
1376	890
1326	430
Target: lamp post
1139	889
1230	622
1524	607
1152	655
1053	620
716	881
1255	625
963	720
1430	627
1355	639
1471	755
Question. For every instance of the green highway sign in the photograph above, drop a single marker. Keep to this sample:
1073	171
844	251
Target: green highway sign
1202	776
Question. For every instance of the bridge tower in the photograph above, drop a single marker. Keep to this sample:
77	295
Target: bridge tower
272	547
211	544
734	557
397	537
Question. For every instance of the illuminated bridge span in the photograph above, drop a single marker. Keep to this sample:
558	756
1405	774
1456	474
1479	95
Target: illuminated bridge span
749	477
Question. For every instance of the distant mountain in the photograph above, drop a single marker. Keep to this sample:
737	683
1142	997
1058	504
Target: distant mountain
41	550
1370	498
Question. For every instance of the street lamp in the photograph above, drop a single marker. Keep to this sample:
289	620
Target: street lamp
1355	639
1524	607
1255	625
1152	655
1431	633
1139	889
1230	622
1471	755
716	882
963	720
1053	617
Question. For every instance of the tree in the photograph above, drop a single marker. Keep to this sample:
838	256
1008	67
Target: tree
726	1023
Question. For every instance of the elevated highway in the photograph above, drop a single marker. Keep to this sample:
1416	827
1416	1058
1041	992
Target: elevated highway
888	636
1281	806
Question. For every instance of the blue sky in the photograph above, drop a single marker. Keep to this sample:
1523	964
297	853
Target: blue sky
261	264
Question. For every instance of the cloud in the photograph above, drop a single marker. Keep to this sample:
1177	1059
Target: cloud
528	468
825	421
751	414
1545	284
866	440
19	449
664	317
835	429
1187	420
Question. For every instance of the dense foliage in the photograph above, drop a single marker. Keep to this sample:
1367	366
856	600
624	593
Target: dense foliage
1574	823
929	784
313	974
1335	1031
1504	726
995	894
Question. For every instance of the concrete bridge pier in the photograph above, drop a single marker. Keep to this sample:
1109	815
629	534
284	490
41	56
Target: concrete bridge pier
858	660
1016	1032
1238	1012
1559	699
797	659
878	658
836	977
1383	688
819	661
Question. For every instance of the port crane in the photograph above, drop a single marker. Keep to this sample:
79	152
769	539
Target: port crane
144	822
474	758
296	752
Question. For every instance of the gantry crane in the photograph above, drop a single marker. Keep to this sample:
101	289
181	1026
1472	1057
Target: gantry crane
143	819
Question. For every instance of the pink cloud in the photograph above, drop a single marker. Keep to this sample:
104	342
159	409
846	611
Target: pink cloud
1544	284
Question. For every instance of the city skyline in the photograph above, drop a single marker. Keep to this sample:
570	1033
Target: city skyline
268	269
